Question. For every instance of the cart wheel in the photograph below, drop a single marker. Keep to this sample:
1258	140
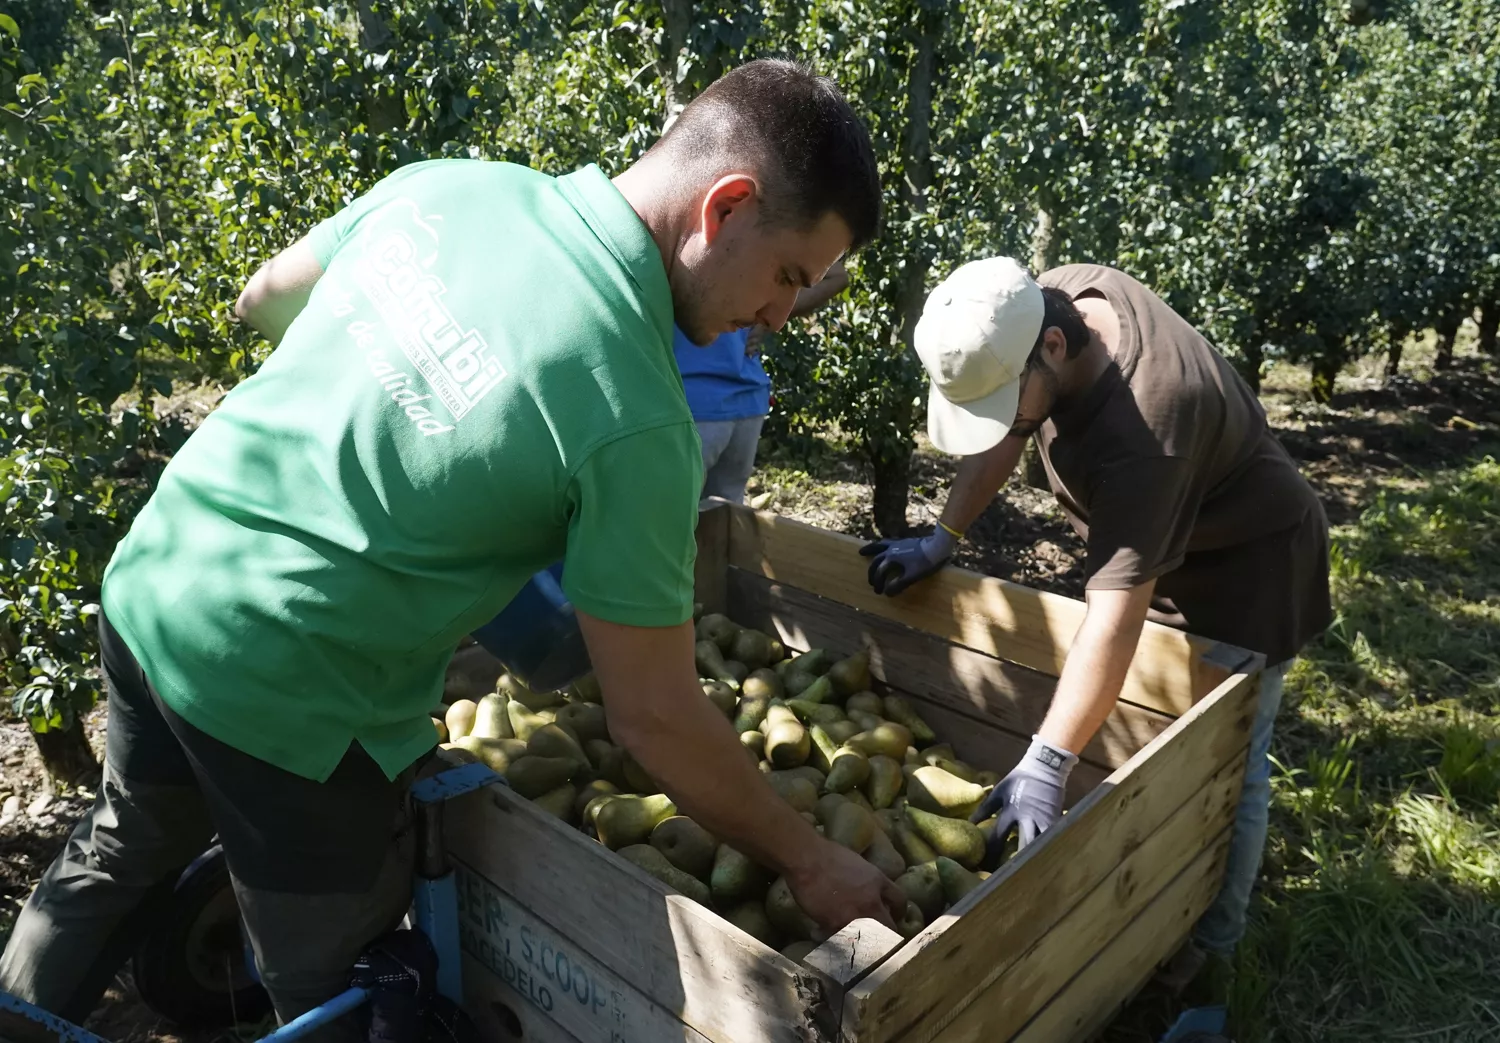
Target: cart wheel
192	965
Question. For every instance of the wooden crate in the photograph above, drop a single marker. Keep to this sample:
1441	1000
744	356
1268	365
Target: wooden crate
566	942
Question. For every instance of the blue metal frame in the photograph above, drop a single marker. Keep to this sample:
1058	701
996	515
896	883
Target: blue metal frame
434	912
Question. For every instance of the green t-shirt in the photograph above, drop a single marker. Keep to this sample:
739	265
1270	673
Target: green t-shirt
482	383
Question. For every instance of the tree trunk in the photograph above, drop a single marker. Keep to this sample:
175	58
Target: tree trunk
385	109
1489	325
1249	366
892	467
1044	237
1325	370
677	18
892	489
1447	332
1398	334
66	755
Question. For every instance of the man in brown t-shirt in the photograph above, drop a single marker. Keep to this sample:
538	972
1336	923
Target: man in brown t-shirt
1161	457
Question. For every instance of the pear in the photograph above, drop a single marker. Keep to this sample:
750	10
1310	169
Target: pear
710	662
591	810
867	722
852	826
531	776
865	702
786	915
823	809
842	731
517	692
941	752
587	721
762	684
587	795
629	820
924	886
988	779
550	740
854	796
890	740
911	758
951	838
798	952
751	918
889	820
815	713
811	820
755	742
900	711
655	863
787	741
823	749
523	721
883	855
795	790
490	718
441	728
719	629
559	802
849	769
687	845
737	670
913	848
957	881
499	754
851	675
752	714
586	689
910	925
737	878
460	718
957	768
722	696
752	648
775	652
455	754
814	662
608	761
935	790
885	781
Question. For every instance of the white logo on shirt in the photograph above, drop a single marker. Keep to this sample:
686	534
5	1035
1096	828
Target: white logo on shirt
391	270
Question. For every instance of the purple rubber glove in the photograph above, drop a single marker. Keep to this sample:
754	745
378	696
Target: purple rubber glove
1029	799
898	564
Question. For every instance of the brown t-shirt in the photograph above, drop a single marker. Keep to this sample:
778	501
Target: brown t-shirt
1167	468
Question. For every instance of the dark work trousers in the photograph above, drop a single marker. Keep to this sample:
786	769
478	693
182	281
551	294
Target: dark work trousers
319	869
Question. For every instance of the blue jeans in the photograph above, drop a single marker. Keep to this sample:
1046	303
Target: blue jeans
1220	929
729	455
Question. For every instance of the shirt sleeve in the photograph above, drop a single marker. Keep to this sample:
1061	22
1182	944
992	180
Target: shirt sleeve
329	234
1141	514
631	542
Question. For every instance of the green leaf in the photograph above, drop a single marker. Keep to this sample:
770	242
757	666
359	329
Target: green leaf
9	25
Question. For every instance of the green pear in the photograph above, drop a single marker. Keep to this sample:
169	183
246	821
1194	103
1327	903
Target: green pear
850	675
888	739
559	802
587	689
763	684
636	779
531	776
786	915
737	878
629	820
957	768
523	721
752	648
849	769
499	754
751	918
491	721
518	692
865	702
754	741
882	854
655	863
710	662
899	710
587	794
852	826
957	881
910	925
687	845
550	740
587	721
718	629
942	793
941	752
460	718
722	696
924	886
795	790
842	731
823	809
884	782
949	837
752	714
787	741
913	848
815	713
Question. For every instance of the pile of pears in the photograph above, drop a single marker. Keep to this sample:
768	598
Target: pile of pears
864	769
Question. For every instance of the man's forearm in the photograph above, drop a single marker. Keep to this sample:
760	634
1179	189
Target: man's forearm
978	479
1096	667
279	290
814	297
695	756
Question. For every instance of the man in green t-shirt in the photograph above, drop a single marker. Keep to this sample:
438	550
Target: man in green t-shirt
473	378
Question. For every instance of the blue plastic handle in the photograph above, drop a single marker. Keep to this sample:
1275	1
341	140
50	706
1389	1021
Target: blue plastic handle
537	637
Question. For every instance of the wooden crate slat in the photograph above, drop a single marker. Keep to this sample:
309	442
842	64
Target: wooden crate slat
940	671
683	957
930	976
1028	978
500	1015
712	561
1095	997
1170	670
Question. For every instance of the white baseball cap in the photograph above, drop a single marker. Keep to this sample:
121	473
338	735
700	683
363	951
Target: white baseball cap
975	335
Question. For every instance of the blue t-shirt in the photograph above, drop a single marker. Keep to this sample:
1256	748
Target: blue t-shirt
721	381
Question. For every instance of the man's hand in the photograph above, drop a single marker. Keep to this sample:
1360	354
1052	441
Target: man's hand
1030	799
838	886
898	564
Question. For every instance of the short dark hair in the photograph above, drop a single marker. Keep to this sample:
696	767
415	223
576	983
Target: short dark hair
807	146
1060	311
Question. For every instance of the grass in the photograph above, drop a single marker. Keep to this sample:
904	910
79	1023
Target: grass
1379	917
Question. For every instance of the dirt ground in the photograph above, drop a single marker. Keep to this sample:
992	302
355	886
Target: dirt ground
1373	431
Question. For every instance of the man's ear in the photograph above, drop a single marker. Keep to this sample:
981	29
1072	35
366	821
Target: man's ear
732	194
1055	346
